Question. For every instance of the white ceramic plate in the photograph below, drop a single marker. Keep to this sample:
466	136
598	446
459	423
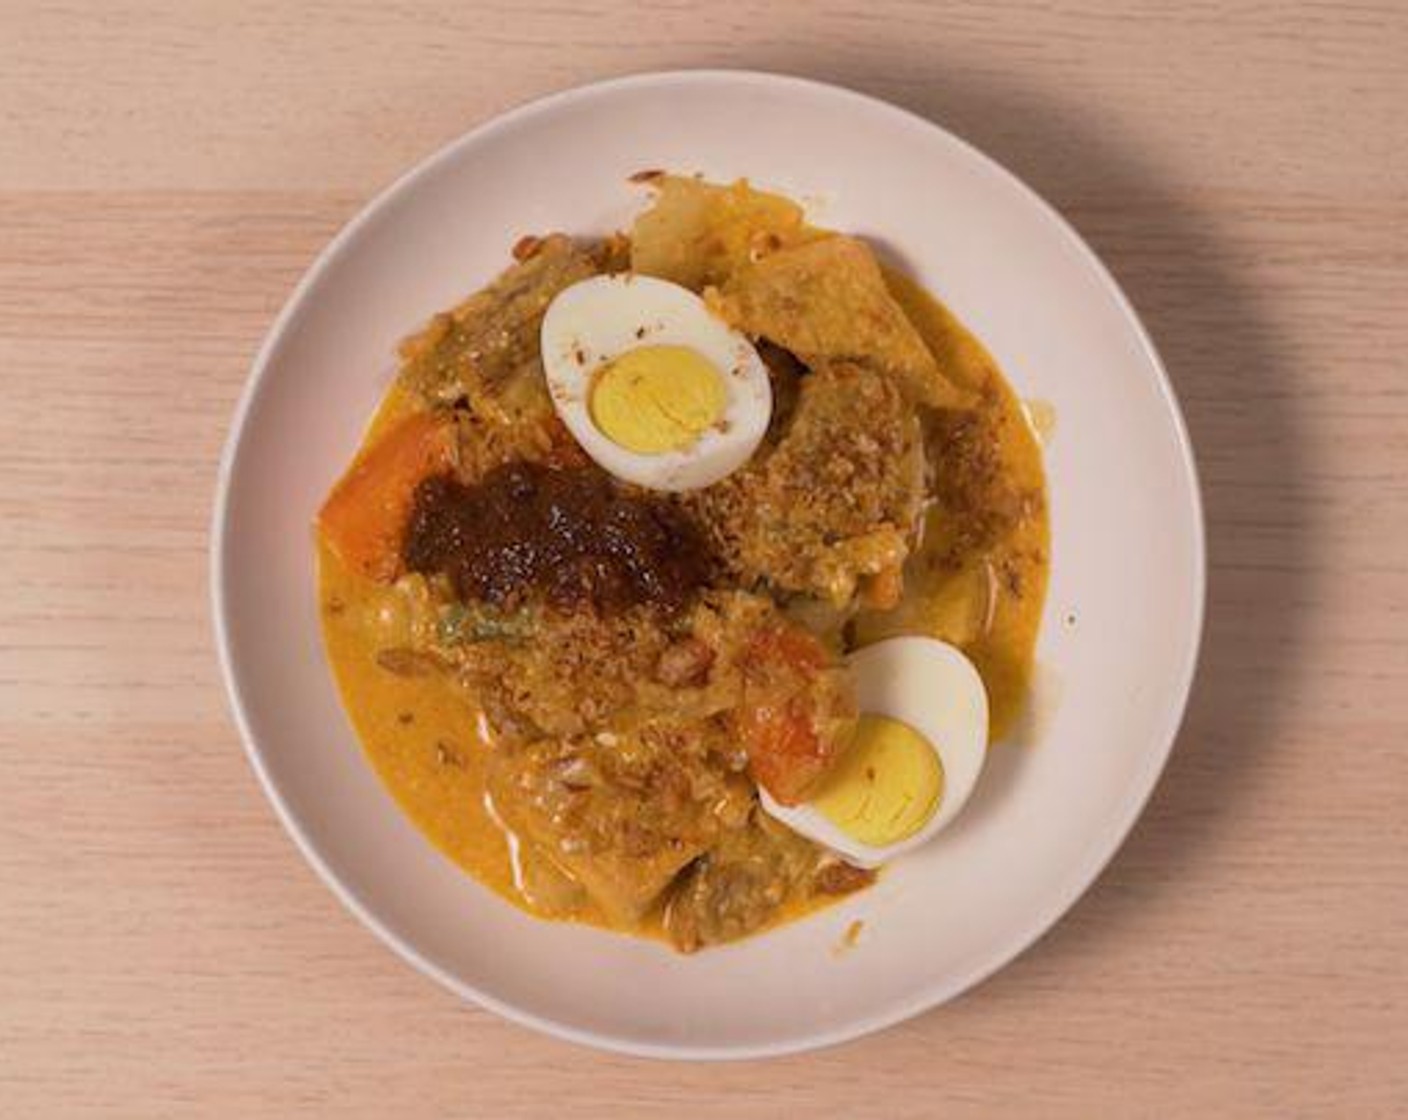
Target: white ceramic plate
1118	644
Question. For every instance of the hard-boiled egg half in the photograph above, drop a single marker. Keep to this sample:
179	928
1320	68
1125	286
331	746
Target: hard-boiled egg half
654	387
916	757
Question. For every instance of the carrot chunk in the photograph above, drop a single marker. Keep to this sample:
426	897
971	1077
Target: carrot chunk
364	518
798	713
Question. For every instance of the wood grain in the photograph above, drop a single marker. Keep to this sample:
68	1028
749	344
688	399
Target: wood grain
167	171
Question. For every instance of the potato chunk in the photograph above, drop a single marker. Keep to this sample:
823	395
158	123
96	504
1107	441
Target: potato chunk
620	814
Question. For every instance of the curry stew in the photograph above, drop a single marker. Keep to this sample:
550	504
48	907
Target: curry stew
575	686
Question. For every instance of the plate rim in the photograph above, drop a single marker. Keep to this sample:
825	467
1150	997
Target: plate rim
1083	875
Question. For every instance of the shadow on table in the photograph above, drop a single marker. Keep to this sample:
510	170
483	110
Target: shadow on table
1193	291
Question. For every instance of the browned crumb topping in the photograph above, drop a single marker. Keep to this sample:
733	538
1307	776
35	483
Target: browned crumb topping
835	500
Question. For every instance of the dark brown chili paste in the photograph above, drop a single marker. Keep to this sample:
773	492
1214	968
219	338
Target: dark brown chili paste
571	536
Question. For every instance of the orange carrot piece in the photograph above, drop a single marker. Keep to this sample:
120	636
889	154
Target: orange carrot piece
788	648
365	516
793	723
786	755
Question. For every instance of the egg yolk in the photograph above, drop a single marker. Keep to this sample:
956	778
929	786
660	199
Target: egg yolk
657	398
886	786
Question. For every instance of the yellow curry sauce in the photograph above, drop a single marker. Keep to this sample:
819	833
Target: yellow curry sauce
428	742
989	605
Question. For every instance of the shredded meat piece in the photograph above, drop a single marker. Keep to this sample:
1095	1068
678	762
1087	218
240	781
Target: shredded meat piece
739	885
976	501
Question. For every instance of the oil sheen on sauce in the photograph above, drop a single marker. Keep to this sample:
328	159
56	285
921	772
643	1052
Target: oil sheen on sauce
428	742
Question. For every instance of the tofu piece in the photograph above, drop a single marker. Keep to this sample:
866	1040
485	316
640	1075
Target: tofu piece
826	301
618	816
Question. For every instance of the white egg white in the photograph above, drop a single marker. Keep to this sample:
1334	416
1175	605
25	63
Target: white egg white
933	688
598	319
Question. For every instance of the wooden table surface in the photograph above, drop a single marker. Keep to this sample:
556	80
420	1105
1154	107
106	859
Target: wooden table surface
168	171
